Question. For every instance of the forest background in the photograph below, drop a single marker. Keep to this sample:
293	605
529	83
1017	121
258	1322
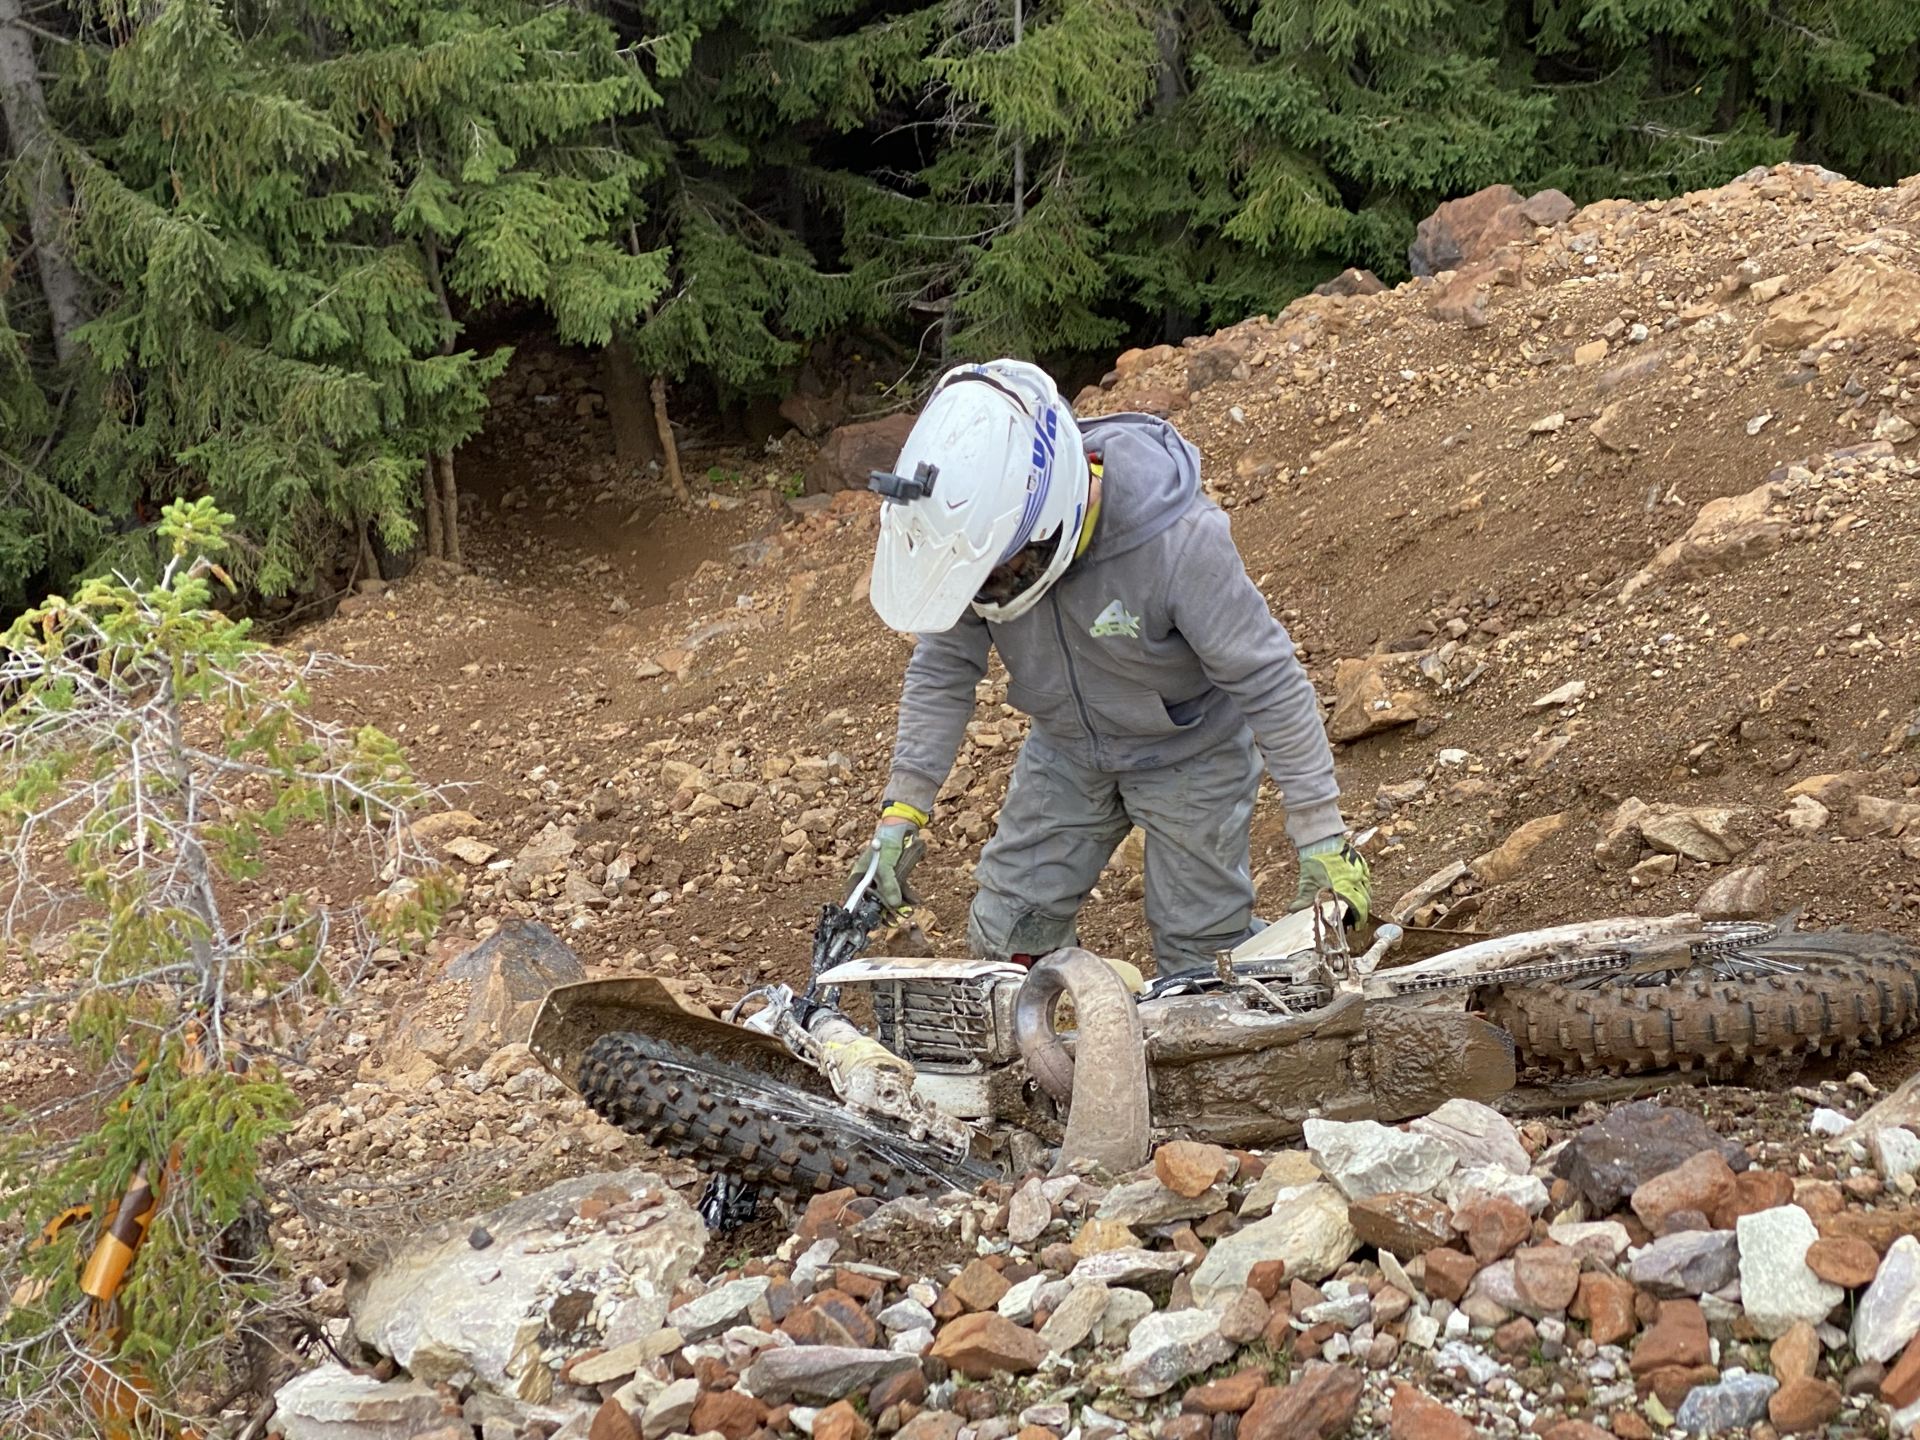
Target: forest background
270	251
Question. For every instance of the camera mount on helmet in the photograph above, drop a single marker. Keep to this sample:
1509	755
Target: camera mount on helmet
901	490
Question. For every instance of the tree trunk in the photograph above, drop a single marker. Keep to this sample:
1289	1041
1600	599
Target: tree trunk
430	492
449	504
671	450
636	439
440	482
1019	143
1176	321
49	205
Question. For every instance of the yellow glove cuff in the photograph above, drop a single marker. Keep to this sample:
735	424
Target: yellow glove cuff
900	810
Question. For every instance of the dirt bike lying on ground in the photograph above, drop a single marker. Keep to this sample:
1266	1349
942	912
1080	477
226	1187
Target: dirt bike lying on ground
964	1071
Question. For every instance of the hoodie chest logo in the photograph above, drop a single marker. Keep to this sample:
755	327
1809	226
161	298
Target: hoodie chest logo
1116	621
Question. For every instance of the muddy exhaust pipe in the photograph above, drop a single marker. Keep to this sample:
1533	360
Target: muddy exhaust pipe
1109	1125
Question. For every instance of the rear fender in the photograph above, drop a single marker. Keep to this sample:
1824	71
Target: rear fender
572	1017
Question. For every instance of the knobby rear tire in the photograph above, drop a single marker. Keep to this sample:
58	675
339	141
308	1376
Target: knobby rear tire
732	1121
1856	991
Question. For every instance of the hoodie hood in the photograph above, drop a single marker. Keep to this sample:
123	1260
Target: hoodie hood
1151	478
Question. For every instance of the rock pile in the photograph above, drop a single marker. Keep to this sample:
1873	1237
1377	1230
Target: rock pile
1456	1277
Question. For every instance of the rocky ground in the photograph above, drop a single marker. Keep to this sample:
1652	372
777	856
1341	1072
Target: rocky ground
1459	1277
1602	547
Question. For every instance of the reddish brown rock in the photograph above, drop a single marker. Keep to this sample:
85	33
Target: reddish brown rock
1402	1223
1471	228
1576	1430
1795	1353
908	1387
1545	1277
979	1286
1629	1425
1181	1427
1803	1404
988	1344
932	1425
1672	1382
1228	1396
1901	1387
612	1422
1267	1276
832	1317
1494	1227
1449	1273
1677	1339
732	1413
1319	1405
1846	1263
1605	1302
1879	1228
1415	1415
1701	1184
840	1421
1752	1192
1516	1337
1189	1168
828	1215
852	452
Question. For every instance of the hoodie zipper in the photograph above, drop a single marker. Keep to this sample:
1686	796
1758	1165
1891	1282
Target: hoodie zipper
1073	675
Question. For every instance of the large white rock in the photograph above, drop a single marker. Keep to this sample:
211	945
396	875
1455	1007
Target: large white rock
1889	1313
332	1403
1168	1346
1463	1187
1477	1135
1776	1286
440	1306
1364	1157
734	1303
1308	1229
1896	1152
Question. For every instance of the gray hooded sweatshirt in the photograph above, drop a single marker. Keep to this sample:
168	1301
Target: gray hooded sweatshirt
1153	647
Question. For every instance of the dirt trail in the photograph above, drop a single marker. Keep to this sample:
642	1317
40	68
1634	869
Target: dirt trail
708	699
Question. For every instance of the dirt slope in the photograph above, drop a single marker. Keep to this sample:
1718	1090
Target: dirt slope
1448	470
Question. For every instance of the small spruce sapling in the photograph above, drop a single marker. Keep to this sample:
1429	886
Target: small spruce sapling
153	756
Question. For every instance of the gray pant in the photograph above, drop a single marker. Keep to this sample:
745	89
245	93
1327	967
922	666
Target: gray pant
1061	823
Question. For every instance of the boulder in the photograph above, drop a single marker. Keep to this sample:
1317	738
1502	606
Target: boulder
1364	1157
1608	1161
1870	817
482	999
1548	208
1219	360
1700	1184
1510	859
1401	1223
1367	699
1476	1134
1308	1230
1351	282
1144	1203
1888	1315
1863	295
1711	834
820	1374
1728	532
1545	1278
333	1403
1190	1168
1070	1325
853	452
548	1285
986	1344
1469	229
1692	1262
1732	1403
1415	1415
1319	1405
1777	1287
1742	894
1167	1347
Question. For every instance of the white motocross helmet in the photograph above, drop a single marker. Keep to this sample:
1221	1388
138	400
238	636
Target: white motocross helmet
987	501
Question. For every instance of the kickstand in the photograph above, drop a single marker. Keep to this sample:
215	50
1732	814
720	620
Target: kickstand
728	1203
